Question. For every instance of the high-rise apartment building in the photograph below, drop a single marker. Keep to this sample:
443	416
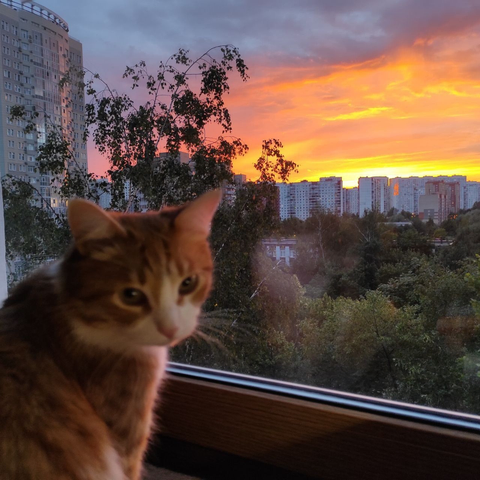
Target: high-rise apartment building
350	200
471	194
457	203
428	197
299	200
373	194
327	194
294	200
404	194
440	199
37	51
302	199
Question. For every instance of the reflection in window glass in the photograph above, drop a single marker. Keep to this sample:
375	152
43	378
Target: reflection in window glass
346	245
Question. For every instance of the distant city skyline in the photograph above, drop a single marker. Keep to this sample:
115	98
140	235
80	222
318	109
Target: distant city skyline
353	185
380	86
428	197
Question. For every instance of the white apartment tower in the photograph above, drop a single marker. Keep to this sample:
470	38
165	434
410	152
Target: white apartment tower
302	199
294	200
299	200
472	194
326	194
350	200
373	194
36	52
404	193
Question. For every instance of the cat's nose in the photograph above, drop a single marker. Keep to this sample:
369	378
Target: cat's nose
168	332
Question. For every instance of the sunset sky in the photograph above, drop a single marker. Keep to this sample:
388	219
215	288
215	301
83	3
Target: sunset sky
351	87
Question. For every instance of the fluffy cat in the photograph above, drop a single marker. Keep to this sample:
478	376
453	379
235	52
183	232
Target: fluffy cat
84	341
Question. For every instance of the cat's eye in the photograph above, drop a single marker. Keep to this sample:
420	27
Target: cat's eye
188	285
133	297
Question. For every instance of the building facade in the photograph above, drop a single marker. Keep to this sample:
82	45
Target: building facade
327	195
471	194
282	250
373	194
404	194
302	199
439	201
350	200
37	52
452	193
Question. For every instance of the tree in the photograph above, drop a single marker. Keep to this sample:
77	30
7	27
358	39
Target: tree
174	115
170	116
277	167
473	280
440	233
33	235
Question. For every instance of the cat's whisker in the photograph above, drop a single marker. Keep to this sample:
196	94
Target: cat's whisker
241	332
209	339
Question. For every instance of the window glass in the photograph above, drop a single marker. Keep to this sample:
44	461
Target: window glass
346	247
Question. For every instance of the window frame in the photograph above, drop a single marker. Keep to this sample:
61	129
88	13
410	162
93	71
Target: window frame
314	431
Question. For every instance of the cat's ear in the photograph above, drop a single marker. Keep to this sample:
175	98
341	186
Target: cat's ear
89	222
197	215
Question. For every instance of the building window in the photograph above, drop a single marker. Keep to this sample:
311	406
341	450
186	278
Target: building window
12	167
11	155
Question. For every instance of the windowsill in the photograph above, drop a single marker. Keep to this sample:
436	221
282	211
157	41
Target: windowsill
314	431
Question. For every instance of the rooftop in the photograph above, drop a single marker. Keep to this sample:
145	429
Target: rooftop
37	9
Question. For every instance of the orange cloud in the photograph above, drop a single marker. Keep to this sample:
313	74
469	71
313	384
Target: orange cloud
415	111
411	111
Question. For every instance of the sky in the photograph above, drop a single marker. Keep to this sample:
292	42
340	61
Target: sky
350	87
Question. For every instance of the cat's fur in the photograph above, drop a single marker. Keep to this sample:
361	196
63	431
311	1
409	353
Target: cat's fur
80	366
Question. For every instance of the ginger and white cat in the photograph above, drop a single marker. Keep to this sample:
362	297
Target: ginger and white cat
84	341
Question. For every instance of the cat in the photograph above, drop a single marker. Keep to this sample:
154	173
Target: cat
84	341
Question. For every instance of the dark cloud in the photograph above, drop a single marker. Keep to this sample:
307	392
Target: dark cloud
268	32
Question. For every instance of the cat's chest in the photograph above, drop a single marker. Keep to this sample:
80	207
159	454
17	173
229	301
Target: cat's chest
124	393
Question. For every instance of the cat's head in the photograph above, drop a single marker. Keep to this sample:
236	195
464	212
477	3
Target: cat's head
138	279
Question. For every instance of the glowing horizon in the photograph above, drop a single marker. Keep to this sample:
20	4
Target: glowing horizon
412	110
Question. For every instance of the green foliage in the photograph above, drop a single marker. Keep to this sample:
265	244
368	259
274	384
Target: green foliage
473	280
131	135
33	235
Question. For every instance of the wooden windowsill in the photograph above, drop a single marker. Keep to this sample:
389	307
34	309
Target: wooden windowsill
314	438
